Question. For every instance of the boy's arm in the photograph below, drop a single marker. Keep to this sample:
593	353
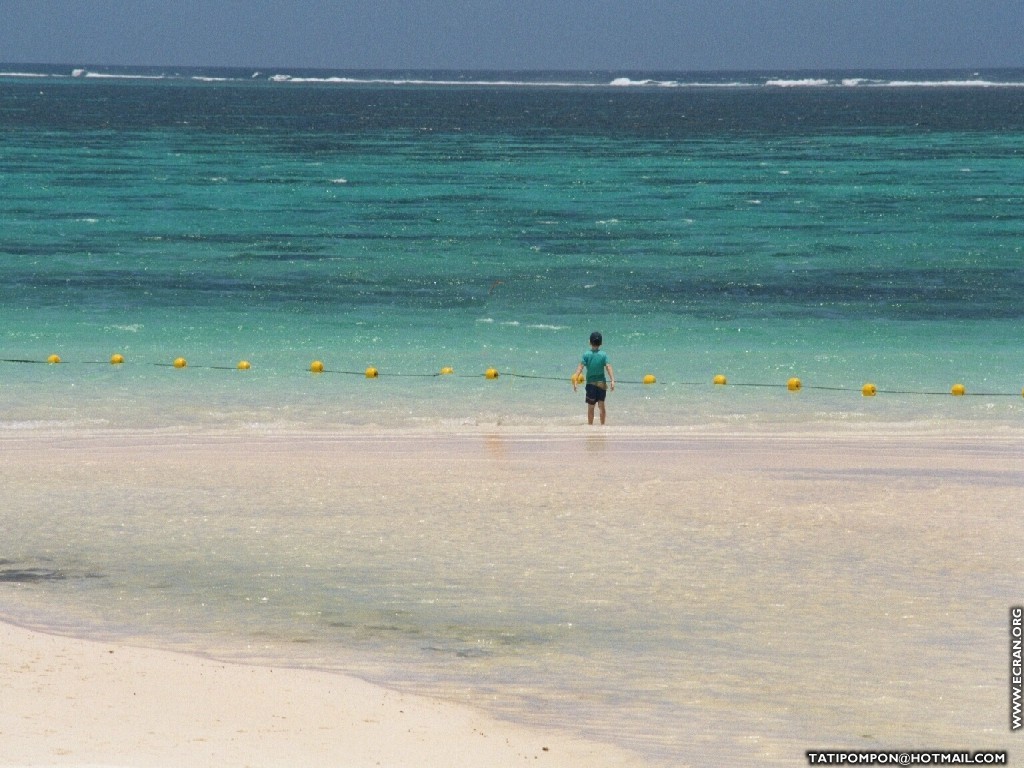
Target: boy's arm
611	376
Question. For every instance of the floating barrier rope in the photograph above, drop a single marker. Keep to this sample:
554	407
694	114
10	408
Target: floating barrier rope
317	367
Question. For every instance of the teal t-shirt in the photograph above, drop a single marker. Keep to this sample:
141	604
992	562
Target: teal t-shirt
595	362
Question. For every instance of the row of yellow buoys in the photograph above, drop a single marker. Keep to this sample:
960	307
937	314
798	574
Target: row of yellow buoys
317	366
650	378
868	390
181	362
116	359
793	385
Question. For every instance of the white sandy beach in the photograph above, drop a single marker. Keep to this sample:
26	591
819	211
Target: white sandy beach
830	589
69	702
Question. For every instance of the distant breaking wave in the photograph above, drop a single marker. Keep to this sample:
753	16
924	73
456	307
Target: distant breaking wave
424	81
815	82
625	82
894	79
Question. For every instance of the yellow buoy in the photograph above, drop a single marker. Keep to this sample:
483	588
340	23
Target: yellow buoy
316	367
794	384
649	379
721	380
447	370
371	372
116	359
958	390
491	373
180	362
243	365
578	379
53	359
869	390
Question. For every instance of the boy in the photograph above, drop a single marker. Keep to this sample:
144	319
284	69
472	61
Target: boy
596	363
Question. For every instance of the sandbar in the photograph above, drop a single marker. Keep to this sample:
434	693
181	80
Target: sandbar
66	701
842	588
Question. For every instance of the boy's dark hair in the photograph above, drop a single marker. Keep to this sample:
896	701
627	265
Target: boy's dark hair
595	339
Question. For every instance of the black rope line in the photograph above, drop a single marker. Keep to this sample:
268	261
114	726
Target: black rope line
495	374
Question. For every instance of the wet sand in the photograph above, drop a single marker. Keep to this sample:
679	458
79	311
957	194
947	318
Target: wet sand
844	589
75	702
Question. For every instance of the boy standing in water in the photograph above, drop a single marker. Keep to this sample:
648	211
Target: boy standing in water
596	363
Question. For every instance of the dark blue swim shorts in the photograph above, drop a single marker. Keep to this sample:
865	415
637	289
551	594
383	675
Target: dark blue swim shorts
595	394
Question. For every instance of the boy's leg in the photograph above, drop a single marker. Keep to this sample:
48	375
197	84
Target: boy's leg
603	414
590	413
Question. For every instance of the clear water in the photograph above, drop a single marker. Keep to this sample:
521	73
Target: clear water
838	234
841	232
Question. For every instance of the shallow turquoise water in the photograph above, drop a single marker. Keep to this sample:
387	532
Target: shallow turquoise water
213	226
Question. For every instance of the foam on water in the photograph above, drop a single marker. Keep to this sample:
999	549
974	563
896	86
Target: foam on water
545	80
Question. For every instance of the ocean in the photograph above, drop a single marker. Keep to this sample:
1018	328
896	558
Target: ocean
840	228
